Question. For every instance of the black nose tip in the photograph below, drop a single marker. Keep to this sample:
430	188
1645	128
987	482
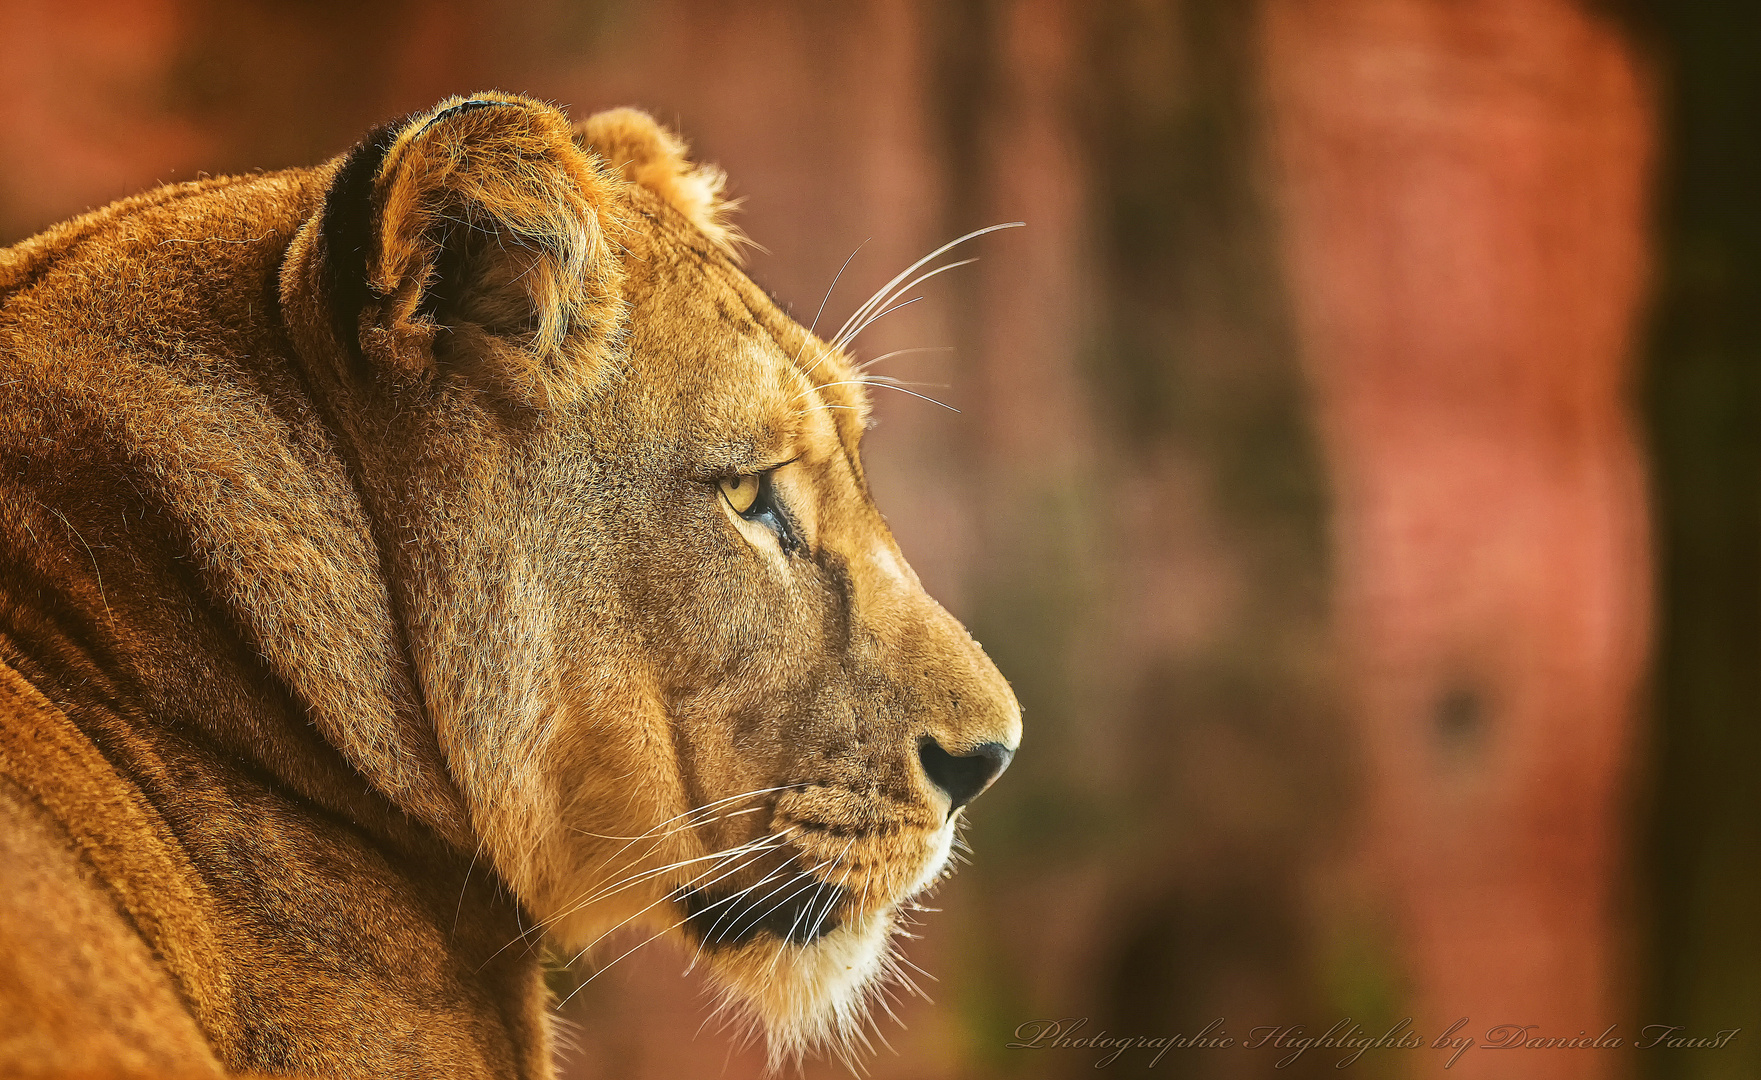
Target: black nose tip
962	776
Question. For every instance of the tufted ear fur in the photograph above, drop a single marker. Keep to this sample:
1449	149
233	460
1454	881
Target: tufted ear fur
473	239
629	142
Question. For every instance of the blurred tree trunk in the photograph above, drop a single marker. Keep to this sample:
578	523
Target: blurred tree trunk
1231	775
1466	204
1705	396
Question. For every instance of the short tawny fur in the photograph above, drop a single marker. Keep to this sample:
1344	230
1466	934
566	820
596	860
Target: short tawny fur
371	613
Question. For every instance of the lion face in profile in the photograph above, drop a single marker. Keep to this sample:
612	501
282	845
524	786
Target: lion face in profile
679	670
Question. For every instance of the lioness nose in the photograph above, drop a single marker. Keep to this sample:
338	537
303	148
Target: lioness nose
962	776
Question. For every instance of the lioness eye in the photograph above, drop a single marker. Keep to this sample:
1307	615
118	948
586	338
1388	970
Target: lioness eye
740	491
754	497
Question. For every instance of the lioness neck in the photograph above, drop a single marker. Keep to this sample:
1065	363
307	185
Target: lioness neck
200	653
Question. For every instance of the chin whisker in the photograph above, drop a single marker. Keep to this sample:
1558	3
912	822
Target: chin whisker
754	856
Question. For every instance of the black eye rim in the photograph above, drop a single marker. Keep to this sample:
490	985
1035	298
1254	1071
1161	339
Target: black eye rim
768	510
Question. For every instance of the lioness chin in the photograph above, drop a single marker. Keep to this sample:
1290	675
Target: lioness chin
413	559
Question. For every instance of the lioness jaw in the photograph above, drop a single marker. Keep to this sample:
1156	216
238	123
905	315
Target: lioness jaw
418	558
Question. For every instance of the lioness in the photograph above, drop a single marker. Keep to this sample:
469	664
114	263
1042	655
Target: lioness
410	558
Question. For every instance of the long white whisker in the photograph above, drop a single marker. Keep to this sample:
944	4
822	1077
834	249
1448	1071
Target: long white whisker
866	364
766	878
658	871
871	320
659	933
704	938
620	956
595	893
669	832
879	298
600	891
890	386
796	921
752	850
762	843
719	802
755	847
651	905
833	285
831	902
820	359
915	394
888	380
461	904
901	291
828	295
687	825
841	881
809	883
690	824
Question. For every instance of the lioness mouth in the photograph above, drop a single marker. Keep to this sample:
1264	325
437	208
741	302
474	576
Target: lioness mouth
796	909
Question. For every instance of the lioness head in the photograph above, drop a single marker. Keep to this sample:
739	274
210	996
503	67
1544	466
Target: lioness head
678	668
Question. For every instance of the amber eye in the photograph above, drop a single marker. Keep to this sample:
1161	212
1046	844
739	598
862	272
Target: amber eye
741	491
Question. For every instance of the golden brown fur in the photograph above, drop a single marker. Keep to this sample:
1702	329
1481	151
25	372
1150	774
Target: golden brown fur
372	605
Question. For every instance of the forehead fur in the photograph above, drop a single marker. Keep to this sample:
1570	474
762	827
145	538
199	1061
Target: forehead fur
699	321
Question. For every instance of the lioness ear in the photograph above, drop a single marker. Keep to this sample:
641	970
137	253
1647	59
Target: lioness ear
630	143
472	239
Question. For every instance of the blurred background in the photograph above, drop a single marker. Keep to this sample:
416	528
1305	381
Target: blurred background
1356	469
